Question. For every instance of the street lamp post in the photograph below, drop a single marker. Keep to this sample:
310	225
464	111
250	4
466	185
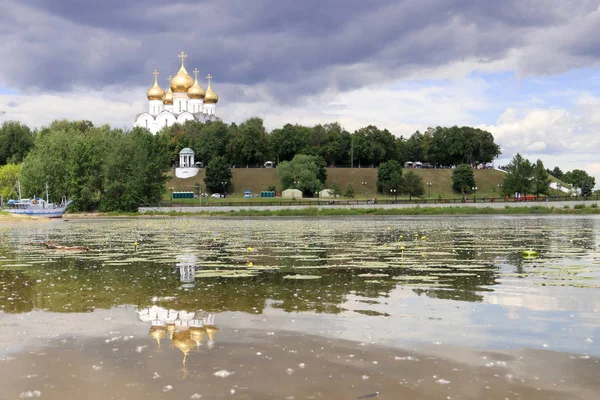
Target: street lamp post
430	185
364	185
171	189
394	192
199	187
224	185
474	194
500	189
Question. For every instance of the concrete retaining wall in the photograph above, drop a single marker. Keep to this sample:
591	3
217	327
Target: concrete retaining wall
555	204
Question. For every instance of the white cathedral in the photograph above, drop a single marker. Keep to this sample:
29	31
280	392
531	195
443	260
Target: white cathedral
185	101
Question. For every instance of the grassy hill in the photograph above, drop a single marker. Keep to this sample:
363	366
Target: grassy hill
258	179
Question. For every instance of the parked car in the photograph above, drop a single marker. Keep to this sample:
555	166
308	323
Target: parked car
217	196
247	194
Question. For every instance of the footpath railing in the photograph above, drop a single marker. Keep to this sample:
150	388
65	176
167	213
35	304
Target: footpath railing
374	201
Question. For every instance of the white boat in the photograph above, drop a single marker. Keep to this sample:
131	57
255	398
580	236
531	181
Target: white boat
36	206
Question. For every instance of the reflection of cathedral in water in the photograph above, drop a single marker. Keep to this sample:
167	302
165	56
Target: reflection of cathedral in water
187	330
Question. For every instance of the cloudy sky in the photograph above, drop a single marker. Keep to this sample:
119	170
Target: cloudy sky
526	70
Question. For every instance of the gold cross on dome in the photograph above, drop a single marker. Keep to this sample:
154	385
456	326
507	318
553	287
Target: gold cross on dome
196	72
209	77
155	73
183	56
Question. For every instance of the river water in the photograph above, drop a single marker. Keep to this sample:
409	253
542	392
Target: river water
301	308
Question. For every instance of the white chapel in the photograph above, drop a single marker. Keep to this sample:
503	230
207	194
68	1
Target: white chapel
185	101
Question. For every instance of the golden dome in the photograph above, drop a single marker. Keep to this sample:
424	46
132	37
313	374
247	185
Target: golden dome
155	92
168	99
196	92
211	330
182	82
210	97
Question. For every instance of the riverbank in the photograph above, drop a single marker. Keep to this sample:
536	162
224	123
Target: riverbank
8	217
557	208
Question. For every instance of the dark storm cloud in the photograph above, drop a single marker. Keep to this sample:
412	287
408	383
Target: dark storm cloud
289	47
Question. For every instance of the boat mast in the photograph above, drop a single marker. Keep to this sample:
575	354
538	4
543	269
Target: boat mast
47	193
19	187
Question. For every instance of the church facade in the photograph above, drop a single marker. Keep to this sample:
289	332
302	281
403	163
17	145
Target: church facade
184	101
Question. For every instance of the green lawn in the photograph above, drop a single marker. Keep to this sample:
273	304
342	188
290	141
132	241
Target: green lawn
259	179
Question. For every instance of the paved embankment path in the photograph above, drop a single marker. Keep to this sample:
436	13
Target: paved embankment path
501	204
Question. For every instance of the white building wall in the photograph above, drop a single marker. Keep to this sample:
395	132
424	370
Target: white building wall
185	116
155	107
180	102
165	119
210	109
195	105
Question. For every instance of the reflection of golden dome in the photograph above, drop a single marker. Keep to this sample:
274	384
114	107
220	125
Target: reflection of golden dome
158	333
171	329
197	335
210	97
196	92
182	82
211	330
181	340
155	92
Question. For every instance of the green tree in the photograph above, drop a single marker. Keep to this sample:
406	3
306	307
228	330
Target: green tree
385	171
47	162
135	170
350	192
540	183
16	140
331	142
518	176
287	142
463	179
212	141
304	172
373	145
557	173
249	142
581	180
217	172
335	189
413	185
9	175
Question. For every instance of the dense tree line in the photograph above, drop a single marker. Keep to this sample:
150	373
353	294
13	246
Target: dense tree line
249	144
112	169
96	167
16	140
580	179
525	177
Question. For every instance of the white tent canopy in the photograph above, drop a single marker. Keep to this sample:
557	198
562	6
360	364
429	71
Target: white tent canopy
326	193
291	193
